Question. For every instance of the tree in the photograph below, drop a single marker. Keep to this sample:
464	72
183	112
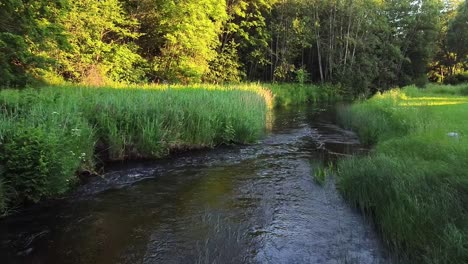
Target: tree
179	37
100	44
243	32
29	30
444	65
457	37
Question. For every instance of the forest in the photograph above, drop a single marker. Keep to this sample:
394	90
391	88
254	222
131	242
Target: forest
363	45
241	131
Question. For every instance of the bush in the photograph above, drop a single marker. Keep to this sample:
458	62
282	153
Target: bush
464	90
302	76
39	162
25	159
457	78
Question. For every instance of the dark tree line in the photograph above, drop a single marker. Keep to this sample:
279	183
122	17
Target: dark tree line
360	44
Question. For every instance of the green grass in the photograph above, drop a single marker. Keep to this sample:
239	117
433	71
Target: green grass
320	175
415	181
47	135
294	94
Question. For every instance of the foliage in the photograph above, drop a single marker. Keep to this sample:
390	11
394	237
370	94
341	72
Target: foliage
414	183
444	63
247	27
365	45
292	94
457	78
28	33
225	67
302	76
180	37
99	38
457	38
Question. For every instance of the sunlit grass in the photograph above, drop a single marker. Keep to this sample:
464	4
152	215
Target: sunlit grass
431	103
415	181
47	135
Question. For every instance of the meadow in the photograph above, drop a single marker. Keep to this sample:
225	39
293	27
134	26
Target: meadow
50	135
414	183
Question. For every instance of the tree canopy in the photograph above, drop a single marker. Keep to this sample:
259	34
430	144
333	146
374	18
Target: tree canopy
361	44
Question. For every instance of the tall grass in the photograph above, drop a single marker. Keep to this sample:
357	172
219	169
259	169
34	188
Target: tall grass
48	135
415	182
294	94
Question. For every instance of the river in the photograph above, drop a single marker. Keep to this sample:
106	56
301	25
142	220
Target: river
238	204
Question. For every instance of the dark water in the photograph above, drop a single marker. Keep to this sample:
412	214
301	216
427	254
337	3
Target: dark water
244	204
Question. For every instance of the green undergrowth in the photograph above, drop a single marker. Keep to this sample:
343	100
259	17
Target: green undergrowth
415	181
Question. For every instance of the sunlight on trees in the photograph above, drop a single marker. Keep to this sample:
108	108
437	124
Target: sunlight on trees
363	45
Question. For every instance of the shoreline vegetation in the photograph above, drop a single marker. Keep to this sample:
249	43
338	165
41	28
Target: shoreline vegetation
414	183
49	135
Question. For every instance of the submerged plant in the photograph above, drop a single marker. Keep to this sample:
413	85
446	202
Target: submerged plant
320	175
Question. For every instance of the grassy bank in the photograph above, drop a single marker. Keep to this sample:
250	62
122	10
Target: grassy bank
415	181
47	135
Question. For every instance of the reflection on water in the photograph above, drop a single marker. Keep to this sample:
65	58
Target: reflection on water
245	204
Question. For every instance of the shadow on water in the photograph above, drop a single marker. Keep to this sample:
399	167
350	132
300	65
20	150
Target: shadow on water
244	204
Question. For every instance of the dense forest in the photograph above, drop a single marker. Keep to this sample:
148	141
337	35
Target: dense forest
364	45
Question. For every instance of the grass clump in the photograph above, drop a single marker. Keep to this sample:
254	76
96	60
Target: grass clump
323	171
415	182
294	94
48	135
320	175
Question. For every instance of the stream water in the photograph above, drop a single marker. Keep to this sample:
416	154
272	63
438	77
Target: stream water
244	204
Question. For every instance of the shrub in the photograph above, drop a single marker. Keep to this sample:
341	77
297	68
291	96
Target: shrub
464	90
457	78
38	162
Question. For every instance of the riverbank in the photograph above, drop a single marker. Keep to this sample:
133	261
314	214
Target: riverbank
415	181
49	135
253	203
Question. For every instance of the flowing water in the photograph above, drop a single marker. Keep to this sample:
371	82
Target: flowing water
245	204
